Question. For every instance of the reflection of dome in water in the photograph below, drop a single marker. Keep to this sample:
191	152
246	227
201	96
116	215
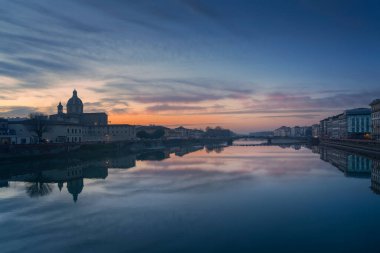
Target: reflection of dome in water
74	104
75	187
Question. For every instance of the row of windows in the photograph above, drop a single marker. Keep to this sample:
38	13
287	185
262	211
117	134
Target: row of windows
74	139
74	172
376	115
360	124
111	127
115	132
359	163
376	125
74	130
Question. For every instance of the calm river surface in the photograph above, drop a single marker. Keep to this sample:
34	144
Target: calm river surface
219	199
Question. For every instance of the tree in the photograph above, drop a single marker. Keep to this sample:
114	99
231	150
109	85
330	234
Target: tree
38	189
218	132
38	124
157	134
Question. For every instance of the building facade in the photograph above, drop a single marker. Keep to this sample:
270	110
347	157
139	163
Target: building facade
75	113
375	117
283	131
359	123
74	126
7	136
315	130
351	124
110	133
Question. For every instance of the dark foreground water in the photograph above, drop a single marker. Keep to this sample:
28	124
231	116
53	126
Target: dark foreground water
232	199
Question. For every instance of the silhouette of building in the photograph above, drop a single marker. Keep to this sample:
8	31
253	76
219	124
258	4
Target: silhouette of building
75	113
74	126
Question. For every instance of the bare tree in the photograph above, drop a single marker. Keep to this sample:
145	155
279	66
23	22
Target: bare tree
38	189
38	124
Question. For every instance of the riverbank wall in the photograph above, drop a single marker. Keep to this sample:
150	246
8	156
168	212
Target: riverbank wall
35	150
357	146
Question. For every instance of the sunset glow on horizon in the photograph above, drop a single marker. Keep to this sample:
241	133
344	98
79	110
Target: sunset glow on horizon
245	65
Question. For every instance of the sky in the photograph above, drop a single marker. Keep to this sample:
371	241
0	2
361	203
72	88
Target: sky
244	65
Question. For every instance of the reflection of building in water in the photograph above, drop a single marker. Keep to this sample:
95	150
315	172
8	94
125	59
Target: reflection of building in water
75	187
351	164
156	155
72	175
297	146
39	182
375	177
186	150
214	148
315	149
4	183
123	162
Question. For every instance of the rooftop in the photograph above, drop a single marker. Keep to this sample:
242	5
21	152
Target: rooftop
358	111
375	102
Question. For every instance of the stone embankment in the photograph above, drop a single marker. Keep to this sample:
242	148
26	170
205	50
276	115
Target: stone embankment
33	150
357	146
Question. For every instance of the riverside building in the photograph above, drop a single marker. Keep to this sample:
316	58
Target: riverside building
375	116
74	126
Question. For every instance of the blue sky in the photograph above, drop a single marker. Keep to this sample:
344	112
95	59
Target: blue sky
247	65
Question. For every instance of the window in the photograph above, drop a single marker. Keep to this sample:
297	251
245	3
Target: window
367	125
357	125
68	130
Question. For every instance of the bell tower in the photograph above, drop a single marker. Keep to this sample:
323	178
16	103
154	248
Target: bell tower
60	108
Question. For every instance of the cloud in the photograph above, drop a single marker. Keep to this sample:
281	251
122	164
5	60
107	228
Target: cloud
42	64
188	98
119	110
303	116
15	70
201	8
171	90
166	107
184	56
259	111
16	111
340	100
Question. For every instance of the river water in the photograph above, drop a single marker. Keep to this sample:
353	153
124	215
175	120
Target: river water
198	199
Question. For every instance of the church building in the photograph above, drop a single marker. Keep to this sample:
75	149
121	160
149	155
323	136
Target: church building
74	113
74	126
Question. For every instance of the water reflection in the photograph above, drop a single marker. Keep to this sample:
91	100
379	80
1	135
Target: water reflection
212	199
40	176
375	177
352	165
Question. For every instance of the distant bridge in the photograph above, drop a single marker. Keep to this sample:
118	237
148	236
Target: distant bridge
267	141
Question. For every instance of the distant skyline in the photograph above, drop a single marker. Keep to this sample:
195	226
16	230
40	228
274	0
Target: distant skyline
245	65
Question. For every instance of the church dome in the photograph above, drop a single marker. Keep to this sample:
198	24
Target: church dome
74	104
